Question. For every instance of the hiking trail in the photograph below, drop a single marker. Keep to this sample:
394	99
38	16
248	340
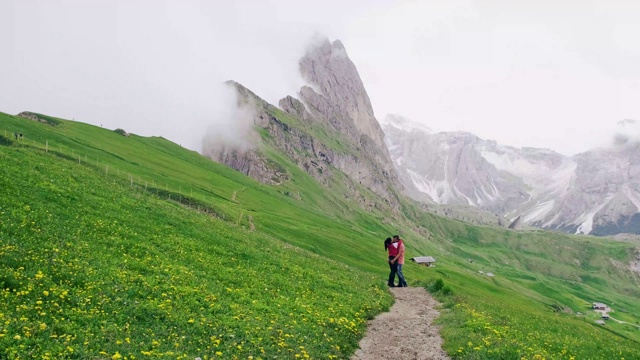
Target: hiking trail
406	331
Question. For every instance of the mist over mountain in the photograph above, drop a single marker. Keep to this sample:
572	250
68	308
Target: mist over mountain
596	192
335	128
330	125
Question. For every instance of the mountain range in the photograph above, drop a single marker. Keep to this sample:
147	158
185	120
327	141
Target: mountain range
330	125
596	192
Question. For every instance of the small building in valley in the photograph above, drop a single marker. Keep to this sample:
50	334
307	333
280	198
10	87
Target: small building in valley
599	306
424	260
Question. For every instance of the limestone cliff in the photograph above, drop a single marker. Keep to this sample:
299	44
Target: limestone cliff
336	98
343	99
331	129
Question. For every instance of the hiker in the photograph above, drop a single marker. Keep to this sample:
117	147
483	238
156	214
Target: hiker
15	135
399	260
20	136
393	251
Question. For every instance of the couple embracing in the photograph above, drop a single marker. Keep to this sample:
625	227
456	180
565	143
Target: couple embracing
395	247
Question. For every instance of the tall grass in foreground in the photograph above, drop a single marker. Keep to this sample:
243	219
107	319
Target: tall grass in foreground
92	269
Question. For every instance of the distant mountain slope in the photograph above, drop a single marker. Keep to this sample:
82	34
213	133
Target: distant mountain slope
596	192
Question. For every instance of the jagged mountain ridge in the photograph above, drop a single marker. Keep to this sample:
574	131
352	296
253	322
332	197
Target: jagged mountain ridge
596	192
331	127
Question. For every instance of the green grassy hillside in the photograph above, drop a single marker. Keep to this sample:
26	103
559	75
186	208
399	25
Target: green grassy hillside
133	247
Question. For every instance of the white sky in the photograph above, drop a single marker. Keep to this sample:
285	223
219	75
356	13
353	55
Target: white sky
554	74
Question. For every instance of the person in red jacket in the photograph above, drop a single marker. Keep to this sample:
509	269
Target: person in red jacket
399	260
393	266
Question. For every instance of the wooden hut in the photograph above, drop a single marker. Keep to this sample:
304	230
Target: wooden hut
424	260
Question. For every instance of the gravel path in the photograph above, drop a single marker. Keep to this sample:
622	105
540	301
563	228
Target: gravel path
406	331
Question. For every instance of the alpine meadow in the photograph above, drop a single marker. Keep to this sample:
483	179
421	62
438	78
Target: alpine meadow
128	247
328	180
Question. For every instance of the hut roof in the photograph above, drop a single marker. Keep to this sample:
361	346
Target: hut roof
423	259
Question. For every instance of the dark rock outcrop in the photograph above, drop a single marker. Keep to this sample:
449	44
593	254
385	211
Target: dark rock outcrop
39	118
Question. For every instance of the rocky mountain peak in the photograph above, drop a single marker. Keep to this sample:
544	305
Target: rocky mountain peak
336	89
329	126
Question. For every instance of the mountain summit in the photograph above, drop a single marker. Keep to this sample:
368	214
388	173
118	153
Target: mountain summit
341	97
335	96
329	126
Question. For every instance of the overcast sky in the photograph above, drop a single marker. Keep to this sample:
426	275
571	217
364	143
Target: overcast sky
554	74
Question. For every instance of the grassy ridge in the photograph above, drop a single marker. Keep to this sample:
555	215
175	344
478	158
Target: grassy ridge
92	268
97	205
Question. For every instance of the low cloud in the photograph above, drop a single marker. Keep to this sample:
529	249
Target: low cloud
627	132
153	68
231	124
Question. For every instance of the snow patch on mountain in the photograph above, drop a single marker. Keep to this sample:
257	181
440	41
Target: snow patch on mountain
631	195
438	190
586	220
539	211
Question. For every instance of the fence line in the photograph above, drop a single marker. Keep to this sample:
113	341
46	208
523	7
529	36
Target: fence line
200	201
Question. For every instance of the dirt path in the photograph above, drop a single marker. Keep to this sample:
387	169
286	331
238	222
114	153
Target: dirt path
624	322
406	331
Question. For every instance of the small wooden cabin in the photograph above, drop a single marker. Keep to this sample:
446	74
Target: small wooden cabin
424	260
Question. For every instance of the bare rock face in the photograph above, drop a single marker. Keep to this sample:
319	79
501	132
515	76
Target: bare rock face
515	224
242	154
448	168
296	108
342	97
38	118
336	97
252	164
596	192
331	126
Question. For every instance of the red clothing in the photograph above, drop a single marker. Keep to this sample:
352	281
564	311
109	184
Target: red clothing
393	251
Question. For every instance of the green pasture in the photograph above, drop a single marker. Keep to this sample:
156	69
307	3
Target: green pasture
133	247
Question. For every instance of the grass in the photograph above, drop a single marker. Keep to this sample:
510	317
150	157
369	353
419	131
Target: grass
92	268
133	247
